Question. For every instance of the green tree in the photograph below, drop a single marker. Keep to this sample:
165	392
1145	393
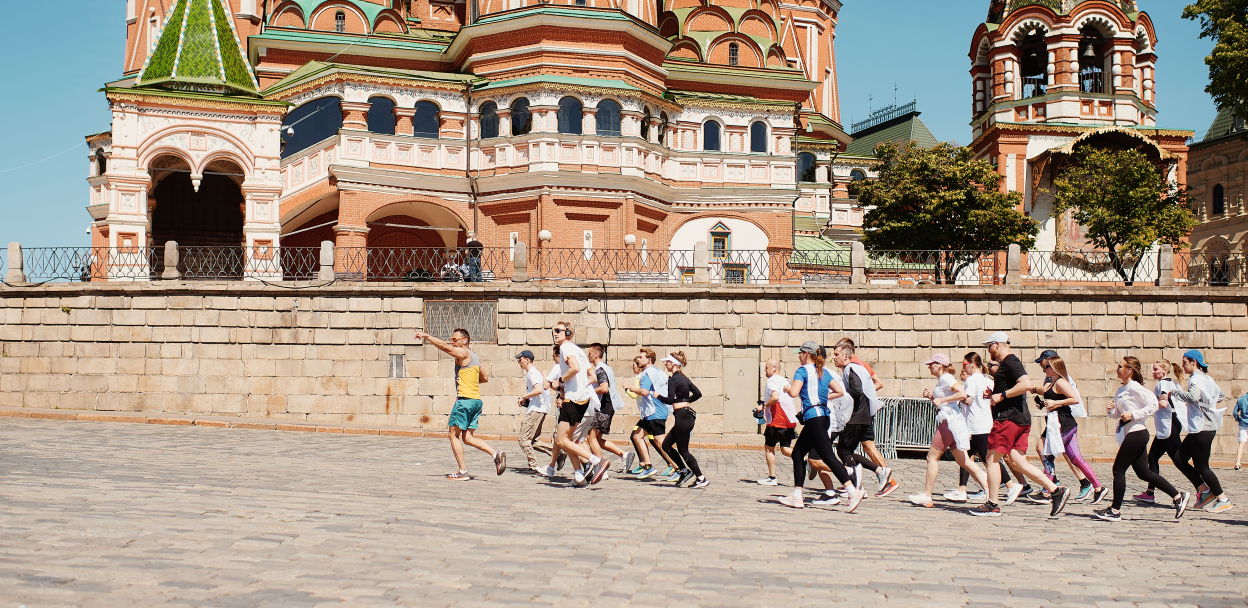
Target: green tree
1124	205
1226	22
941	199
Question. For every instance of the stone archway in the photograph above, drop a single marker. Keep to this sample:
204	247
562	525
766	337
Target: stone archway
203	213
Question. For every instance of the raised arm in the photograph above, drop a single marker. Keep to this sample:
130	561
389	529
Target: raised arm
458	352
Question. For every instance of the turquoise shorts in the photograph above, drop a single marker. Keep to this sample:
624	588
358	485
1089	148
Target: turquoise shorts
464	414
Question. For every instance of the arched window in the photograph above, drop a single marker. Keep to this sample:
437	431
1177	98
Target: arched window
734	53
521	117
710	136
1219	200
662	127
805	167
381	115
570	116
1033	63
607	117
758	136
857	175
426	122
340	21
311	123
645	123
489	120
1092	61
101	163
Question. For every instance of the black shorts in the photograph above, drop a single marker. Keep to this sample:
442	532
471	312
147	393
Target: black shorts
774	435
572	412
654	427
853	435
869	433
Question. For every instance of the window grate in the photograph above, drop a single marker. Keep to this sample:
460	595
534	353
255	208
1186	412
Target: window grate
479	317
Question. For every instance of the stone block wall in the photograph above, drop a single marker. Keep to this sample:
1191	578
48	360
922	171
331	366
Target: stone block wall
323	354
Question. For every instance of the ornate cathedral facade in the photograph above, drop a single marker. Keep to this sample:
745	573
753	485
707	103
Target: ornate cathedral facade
596	124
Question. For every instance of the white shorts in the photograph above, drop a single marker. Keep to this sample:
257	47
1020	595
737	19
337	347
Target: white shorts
582	428
1243	434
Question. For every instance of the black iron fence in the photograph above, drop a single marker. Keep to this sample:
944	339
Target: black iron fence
634	265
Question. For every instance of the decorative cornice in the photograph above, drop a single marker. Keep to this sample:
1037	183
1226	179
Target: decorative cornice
240	105
340	77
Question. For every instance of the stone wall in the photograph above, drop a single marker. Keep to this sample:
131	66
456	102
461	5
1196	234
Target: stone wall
323	354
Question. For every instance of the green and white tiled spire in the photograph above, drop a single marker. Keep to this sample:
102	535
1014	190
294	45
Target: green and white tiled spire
199	50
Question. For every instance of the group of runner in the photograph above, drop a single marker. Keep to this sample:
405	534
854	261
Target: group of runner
982	413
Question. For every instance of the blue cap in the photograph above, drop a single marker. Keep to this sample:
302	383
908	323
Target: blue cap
1195	355
1048	354
526	354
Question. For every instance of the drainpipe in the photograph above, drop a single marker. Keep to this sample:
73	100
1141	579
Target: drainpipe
468	150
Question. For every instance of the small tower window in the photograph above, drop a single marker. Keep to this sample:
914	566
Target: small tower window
570	116
710	136
381	117
340	21
645	124
662	127
857	175
1092	61
1219	200
758	137
521	117
489	120
101	163
607	118
721	241
1033	64
805	167
734	53
426	122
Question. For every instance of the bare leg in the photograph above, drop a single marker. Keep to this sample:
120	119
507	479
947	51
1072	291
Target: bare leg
470	438
598	444
1239	453
994	476
457	447
933	469
769	453
639	446
657	442
965	462
1029	470
576	452
874	454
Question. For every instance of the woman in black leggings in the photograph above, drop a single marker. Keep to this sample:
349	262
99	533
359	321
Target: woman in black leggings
680	393
816	387
1131	407
1168	422
1201	397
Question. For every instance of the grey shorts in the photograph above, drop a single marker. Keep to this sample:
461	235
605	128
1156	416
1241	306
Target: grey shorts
602	422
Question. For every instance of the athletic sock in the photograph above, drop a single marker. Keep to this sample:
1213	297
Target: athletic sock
1084	483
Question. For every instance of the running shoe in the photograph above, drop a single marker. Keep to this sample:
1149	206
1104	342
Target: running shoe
578	479
563	458
854	499
635	470
883	475
1099	494
1084	491
858	481
1144	497
1203	499
701	483
977	496
768	481
827	499
683	477
797	502
1040	497
629	458
1221	506
459	476
599	471
675	476
1180	503
888	489
1238	466
955	496
646	472
1108	514
667	472
922	500
500	463
985	510
545	471
1011	493
1060	496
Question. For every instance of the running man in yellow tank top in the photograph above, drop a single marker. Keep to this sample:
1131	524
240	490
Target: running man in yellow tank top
467	409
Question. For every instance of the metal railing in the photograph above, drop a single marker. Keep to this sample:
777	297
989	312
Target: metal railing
618	265
1213	269
904	423
937	267
1074	267
422	265
90	264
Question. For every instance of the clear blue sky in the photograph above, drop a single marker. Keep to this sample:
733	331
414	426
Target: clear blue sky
919	46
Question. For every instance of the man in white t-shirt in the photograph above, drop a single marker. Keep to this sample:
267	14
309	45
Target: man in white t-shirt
577	395
780	415
536	401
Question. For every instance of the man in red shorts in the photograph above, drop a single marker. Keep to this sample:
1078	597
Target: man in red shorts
1011	425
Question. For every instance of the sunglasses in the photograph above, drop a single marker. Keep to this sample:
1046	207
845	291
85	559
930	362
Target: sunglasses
558	331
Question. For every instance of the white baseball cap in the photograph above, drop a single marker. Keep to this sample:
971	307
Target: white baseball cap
671	359
997	336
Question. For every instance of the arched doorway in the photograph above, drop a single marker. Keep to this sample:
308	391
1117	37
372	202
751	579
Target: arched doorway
207	222
417	241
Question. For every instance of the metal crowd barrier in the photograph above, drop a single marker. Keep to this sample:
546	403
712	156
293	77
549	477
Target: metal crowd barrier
905	423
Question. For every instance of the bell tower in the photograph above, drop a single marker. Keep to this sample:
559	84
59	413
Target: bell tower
1050	76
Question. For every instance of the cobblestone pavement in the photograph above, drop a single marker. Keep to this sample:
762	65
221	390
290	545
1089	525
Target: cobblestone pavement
106	514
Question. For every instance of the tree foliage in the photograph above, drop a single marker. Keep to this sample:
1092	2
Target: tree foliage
1124	205
1226	22
941	199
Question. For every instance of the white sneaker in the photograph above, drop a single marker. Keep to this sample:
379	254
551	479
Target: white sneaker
955	495
629	459
882	475
854	499
923	500
858	476
1011	494
827	499
797	502
768	481
548	471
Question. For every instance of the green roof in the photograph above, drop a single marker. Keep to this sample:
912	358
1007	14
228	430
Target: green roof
1223	124
199	49
315	69
818	251
907	128
678	95
386	42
